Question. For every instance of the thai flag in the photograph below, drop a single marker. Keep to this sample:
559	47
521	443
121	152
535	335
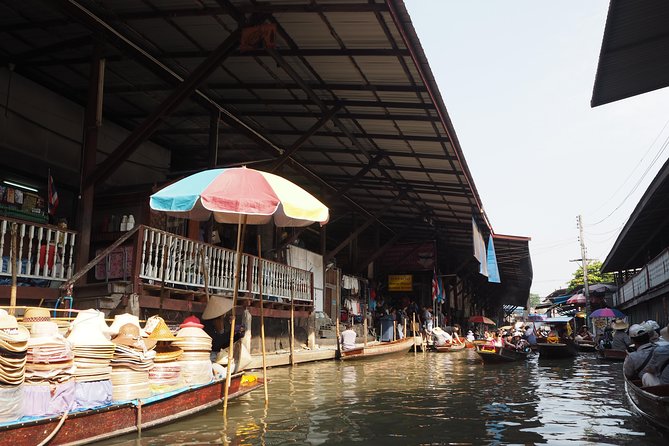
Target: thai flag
53	197
435	285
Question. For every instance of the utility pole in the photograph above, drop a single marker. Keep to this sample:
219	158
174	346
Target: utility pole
584	259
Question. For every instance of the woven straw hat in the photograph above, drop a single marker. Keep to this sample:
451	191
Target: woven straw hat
162	332
90	317
619	324
217	306
11	332
129	335
36	314
121	319
167	353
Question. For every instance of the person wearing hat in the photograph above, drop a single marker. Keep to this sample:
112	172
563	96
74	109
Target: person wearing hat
621	341
657	372
217	324
636	362
653	329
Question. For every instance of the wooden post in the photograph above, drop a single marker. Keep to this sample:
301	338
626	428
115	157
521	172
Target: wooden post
394	330
406	333
413	331
13	259
292	325
235	291
337	335
262	322
205	273
365	329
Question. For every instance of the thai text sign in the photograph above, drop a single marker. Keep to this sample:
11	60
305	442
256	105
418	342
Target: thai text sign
400	282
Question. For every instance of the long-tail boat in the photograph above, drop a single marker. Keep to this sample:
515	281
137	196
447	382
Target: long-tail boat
651	402
492	354
586	346
453	346
610	354
88	426
558	346
381	348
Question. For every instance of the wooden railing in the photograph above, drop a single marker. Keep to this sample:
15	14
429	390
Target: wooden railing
182	262
655	273
43	252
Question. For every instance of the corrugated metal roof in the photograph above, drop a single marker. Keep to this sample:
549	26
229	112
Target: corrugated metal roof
391	144
634	57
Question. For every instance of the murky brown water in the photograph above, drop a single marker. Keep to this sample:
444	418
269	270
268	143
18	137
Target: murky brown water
431	399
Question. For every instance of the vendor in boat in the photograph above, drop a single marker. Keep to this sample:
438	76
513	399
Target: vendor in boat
621	341
657	372
636	362
347	338
509	342
441	337
217	323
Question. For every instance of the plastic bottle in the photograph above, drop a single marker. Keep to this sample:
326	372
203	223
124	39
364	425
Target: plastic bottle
131	222
124	223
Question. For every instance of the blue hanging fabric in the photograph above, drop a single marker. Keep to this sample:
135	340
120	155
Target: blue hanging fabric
441	296
479	248
493	269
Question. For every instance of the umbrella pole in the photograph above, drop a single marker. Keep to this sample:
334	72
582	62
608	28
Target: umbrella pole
238	266
262	321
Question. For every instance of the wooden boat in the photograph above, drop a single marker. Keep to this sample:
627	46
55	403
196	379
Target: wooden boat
301	356
450	347
610	354
651	402
381	348
123	418
586	346
469	344
492	354
565	348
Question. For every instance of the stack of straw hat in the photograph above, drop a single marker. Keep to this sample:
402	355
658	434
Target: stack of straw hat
93	350
50	355
39	314
133	359
49	388
196	346
166	374
13	349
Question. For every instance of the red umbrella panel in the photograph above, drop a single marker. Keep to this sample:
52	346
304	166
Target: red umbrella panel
481	320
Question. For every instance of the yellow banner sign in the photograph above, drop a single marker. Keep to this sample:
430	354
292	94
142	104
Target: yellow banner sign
400	282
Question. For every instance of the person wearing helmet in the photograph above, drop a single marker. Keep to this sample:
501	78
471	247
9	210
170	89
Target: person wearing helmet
636	363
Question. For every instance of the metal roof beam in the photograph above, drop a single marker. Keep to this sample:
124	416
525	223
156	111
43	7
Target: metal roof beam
114	89
302	139
49	50
180	94
362	227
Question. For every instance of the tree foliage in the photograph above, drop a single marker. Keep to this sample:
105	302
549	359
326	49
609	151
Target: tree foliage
595	275
535	300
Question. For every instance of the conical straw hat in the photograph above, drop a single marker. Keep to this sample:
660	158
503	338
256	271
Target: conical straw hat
216	307
162	332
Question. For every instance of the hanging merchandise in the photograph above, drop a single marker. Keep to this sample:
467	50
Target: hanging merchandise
124	223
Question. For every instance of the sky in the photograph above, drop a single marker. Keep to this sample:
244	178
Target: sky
517	78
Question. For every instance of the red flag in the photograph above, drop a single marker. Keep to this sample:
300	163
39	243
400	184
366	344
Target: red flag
435	285
53	197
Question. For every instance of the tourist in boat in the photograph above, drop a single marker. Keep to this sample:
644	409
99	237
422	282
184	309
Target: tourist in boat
636	362
653	329
530	336
621	341
604	340
470	336
347	338
657	372
509	343
584	335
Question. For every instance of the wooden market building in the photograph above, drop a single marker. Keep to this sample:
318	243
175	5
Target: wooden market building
116	98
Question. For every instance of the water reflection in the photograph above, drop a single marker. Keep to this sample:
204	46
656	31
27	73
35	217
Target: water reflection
447	398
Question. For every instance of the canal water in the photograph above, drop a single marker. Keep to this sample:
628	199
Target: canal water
427	399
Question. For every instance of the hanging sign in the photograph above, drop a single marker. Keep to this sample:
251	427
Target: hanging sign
400	282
